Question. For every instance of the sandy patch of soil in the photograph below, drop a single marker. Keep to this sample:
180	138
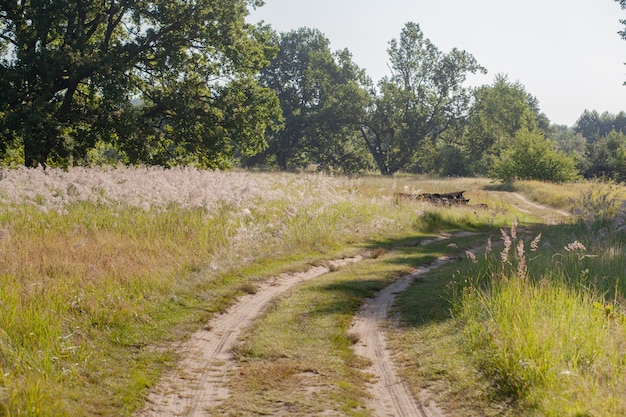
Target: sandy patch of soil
547	212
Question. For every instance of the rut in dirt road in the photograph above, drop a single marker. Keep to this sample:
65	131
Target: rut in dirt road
199	382
389	396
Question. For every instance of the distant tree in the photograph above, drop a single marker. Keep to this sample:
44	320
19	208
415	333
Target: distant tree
533	157
594	126
323	96
423	97
498	113
588	125
622	33
570	143
160	80
606	158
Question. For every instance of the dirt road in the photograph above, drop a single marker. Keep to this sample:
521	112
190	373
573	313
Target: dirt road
198	382
550	215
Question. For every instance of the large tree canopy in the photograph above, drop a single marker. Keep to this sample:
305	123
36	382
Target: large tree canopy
498	112
323	96
161	80
423	98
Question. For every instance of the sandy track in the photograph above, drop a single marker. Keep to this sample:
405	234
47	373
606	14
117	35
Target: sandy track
199	382
388	394
547	212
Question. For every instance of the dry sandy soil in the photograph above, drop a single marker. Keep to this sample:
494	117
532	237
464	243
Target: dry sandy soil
388	394
198	382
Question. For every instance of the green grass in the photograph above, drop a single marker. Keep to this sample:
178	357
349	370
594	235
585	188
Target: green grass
540	334
93	296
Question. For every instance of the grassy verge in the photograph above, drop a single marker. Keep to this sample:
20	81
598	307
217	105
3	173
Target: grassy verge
96	282
537	324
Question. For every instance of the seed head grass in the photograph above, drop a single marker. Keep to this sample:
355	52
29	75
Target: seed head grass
545	323
101	269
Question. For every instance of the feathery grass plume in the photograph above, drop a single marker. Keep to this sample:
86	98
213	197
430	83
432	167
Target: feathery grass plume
534	245
471	256
575	246
488	248
504	255
521	256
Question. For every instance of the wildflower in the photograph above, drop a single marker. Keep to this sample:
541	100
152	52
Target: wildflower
521	266
520	249
534	245
471	256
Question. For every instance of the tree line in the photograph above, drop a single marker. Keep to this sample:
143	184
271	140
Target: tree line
192	83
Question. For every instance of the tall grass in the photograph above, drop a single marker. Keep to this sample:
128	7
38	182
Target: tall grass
543	316
98	268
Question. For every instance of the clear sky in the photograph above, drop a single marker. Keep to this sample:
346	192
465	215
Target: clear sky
567	53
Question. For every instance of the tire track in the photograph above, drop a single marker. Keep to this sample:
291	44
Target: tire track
200	380
389	395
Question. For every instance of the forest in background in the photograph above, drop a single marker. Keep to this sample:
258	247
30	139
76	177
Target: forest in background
95	83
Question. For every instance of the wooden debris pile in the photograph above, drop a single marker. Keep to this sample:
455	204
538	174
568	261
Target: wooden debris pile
446	199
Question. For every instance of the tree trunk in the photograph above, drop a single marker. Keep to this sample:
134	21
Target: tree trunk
38	144
35	153
378	156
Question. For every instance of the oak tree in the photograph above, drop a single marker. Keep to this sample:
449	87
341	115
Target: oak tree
161	80
323	97
424	97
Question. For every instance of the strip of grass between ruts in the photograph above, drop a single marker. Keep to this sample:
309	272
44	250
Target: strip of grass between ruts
297	359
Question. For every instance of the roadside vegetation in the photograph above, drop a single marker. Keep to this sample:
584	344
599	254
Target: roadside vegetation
102	270
533	322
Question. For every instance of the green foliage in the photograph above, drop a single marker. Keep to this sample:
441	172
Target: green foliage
533	157
323	96
606	158
499	111
423	98
161	81
593	126
544	321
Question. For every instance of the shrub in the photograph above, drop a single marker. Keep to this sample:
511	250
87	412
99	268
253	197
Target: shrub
533	157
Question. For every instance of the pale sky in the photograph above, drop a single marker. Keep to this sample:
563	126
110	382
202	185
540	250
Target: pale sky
567	53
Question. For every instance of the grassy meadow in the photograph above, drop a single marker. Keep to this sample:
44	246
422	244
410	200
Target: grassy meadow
101	271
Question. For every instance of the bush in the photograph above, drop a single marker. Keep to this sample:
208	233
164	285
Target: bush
533	157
